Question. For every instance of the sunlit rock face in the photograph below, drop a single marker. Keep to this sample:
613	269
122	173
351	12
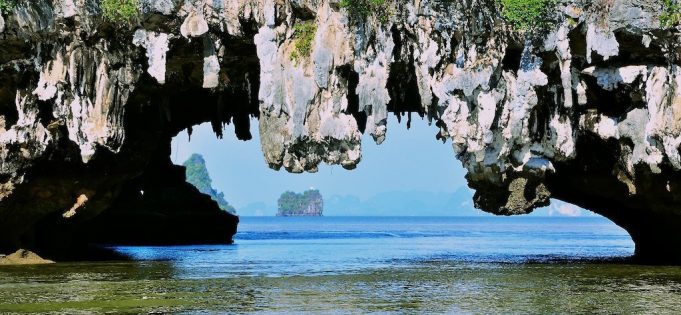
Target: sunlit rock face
585	110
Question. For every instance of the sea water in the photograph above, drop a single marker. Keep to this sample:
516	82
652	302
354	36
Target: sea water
356	265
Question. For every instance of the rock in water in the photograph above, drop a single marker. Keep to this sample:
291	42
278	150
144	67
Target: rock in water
24	257
307	204
197	175
161	208
583	107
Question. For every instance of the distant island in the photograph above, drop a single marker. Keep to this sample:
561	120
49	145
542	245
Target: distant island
307	204
197	175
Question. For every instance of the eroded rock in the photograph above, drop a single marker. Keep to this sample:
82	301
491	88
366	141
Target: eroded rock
585	110
23	257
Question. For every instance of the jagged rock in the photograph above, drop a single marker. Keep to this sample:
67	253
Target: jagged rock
586	110
156	45
161	208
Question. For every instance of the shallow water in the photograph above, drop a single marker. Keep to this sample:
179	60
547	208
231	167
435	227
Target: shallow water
365	265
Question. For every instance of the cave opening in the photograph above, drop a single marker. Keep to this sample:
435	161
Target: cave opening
405	179
238	169
412	175
405	176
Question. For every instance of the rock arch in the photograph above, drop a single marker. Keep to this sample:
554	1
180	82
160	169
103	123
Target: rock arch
586	111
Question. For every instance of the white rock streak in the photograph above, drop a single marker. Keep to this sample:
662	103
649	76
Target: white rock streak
157	47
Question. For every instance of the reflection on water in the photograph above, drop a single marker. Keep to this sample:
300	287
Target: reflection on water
439	287
335	265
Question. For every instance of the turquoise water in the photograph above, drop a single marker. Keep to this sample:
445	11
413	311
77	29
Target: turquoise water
365	265
271	246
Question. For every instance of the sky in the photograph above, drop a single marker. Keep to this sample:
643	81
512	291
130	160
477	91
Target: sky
410	169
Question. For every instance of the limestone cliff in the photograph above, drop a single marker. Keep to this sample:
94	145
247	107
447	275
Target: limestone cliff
585	110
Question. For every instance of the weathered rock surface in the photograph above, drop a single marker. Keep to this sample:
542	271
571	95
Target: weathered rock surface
586	111
23	257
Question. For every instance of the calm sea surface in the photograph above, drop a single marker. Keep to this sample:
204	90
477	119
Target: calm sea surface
365	265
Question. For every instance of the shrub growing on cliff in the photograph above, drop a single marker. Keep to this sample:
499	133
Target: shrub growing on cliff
120	11
671	13
361	9
6	6
304	34
527	15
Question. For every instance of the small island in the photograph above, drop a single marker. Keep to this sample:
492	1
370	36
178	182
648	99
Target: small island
308	204
197	175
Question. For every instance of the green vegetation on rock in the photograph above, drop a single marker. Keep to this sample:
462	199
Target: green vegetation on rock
7	5
304	34
525	15
197	175
309	203
361	9
671	13
120	11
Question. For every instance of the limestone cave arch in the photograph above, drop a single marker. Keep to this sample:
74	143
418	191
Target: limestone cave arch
585	111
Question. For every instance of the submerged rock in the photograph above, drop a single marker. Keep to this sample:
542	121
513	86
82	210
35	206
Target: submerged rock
585	109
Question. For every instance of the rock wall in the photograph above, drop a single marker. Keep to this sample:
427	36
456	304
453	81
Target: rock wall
585	110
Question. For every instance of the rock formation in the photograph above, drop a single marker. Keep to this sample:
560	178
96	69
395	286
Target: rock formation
159	208
197	175
585	110
308	204
23	257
